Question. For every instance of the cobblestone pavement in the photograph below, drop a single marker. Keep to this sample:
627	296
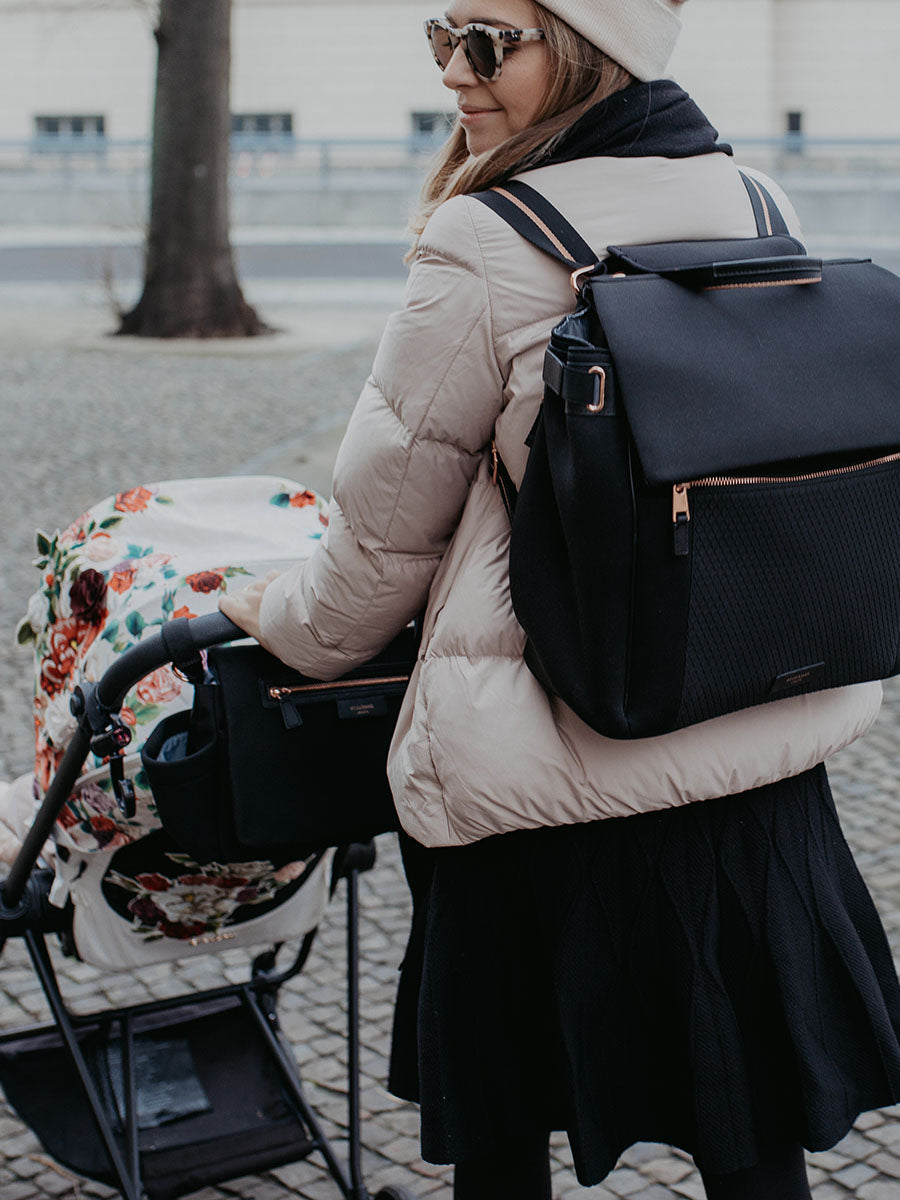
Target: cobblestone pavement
81	416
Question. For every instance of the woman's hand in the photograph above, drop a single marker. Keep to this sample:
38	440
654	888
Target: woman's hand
243	607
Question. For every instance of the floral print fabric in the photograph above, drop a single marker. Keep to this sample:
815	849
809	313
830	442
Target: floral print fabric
135	560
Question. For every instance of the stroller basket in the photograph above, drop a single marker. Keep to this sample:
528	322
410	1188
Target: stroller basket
203	1116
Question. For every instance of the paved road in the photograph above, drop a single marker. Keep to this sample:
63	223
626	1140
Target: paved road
82	415
273	260
285	259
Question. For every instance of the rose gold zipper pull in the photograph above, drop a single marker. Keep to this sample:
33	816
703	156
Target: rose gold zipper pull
681	520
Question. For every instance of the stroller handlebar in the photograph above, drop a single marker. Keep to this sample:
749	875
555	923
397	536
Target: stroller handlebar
197	633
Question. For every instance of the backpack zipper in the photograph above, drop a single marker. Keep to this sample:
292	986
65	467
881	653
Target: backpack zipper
681	508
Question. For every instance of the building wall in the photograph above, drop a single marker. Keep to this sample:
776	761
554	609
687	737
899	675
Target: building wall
347	68
839	64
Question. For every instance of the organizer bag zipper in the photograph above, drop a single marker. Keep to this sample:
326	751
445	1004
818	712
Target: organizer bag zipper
276	692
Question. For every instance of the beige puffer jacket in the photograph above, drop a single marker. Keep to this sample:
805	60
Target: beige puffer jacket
480	748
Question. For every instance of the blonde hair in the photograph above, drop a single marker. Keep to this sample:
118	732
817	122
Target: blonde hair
581	75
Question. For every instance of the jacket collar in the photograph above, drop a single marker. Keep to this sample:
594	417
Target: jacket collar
657	118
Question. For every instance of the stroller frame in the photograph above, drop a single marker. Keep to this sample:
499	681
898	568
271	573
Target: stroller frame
25	912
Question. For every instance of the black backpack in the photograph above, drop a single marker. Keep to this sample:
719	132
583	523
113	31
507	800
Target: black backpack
710	514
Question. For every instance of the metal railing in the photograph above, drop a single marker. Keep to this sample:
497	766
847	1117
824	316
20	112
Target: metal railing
251	153
270	154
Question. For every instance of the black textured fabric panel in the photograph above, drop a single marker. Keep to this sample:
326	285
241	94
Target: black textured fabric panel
787	576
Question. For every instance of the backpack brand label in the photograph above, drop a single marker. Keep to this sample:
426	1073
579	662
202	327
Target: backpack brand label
799	677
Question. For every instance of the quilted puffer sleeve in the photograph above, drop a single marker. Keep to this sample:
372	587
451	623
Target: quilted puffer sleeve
404	468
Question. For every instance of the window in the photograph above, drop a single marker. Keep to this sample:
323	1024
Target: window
90	127
262	123
794	131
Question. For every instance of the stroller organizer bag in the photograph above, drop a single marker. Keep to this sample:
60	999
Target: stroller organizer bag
271	763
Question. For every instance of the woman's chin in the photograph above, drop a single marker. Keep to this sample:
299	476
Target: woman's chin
479	144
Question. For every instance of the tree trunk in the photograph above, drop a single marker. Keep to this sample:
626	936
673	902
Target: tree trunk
190	284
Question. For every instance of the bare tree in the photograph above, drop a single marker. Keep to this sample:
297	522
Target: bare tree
190	284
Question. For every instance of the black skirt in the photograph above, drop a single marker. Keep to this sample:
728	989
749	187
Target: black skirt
714	977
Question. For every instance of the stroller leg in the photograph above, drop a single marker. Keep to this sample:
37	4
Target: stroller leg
130	1185
353	1099
287	1065
129	1091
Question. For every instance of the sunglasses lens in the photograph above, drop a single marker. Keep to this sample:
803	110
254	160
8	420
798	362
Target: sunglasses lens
481	54
441	45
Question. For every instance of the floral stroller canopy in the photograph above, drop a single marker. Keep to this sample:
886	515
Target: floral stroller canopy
135	560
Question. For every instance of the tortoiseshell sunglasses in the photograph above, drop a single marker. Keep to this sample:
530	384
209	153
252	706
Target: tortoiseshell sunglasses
482	44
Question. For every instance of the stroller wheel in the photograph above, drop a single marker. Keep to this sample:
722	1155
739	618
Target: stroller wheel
394	1193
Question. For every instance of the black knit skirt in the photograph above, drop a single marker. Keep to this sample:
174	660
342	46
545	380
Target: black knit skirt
714	977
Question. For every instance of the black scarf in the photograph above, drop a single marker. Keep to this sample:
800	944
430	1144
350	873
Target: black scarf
657	118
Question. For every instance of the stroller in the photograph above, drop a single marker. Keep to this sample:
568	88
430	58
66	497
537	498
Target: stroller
142	1098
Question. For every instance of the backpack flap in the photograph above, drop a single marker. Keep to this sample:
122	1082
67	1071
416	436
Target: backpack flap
742	374
674	258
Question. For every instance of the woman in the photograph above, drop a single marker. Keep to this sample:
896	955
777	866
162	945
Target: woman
658	940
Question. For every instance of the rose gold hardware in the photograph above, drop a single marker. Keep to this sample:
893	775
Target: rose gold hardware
680	505
599	390
575	278
281	693
495	463
679	489
769	283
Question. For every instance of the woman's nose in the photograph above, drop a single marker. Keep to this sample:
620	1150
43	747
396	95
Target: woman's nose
458	71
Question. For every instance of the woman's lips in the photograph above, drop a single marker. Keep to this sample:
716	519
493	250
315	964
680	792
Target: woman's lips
469	115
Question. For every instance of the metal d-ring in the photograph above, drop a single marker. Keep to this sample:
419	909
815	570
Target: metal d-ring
575	277
599	403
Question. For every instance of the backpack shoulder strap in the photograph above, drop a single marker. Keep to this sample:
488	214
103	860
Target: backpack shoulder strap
535	218
769	220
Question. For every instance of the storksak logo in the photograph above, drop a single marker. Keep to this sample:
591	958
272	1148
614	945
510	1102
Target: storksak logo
799	677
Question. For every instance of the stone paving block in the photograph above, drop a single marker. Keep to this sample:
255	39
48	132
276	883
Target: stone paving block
666	1170
625	1182
887	1134
830	1191
879	1190
852	1177
691	1187
27	1166
437	1189
401	1150
267	1190
562	1154
869	1120
54	1183
19	1191
431	1170
829	1160
886	1163
22	1144
856	1145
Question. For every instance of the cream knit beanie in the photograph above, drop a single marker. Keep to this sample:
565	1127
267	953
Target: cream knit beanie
639	34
